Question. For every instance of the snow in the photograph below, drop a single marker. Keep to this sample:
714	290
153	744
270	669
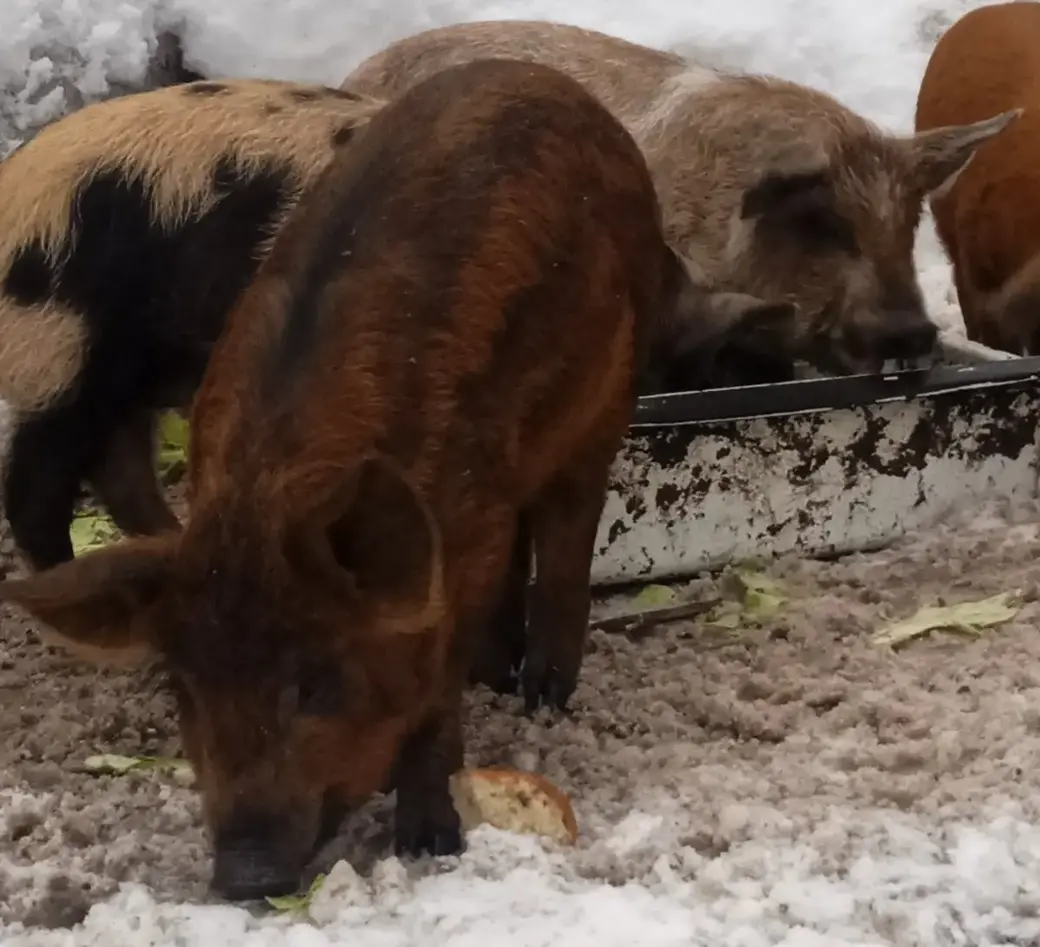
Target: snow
915	878
962	884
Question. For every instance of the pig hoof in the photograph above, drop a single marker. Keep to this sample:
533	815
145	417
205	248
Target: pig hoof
428	837
506	683
498	672
546	689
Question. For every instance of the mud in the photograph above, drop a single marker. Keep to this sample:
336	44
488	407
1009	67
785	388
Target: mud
697	725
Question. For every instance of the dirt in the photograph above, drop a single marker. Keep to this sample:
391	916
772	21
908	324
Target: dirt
698	725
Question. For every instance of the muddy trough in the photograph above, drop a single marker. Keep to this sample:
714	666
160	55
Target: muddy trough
818	467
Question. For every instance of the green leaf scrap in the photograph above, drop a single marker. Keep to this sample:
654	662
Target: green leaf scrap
655	596
967	617
758	597
762	597
173	443
91	530
173	430
727	615
116	765
297	903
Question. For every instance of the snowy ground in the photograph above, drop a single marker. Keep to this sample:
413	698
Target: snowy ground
795	786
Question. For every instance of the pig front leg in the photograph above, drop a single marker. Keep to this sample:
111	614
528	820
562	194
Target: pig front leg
425	820
564	520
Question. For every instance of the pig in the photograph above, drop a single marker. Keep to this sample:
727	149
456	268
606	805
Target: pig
127	229
767	187
438	355
988	216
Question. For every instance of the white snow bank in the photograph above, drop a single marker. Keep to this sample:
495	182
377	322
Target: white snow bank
870	55
55	54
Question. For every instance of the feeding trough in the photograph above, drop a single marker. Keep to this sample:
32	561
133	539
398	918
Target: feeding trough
819	467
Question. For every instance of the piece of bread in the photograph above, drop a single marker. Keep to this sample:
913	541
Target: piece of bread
514	801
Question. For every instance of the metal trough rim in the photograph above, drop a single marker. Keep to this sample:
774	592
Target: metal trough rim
827	394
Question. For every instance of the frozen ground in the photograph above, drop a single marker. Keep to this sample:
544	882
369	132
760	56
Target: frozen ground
790	786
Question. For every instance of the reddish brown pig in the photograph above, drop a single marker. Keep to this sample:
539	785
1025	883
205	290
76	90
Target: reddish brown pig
988	218
442	345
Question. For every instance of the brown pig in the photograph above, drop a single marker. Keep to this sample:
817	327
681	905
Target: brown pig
767	187
438	355
988	217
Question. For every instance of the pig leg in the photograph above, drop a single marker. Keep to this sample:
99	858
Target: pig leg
564	522
979	324
125	481
974	323
500	643
48	459
425	819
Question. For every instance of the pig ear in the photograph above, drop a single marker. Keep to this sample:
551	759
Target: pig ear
938	154
781	195
96	604
374	539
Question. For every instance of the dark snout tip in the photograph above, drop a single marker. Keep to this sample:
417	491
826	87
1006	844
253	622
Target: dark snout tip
245	878
911	341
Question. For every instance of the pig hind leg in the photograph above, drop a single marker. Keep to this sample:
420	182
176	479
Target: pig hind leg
979	325
500	645
49	456
124	479
564	520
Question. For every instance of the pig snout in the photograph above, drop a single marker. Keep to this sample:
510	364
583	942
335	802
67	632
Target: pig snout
912	337
900	336
251	860
244	874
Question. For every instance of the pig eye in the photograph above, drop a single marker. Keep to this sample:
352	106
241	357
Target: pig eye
320	690
826	229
